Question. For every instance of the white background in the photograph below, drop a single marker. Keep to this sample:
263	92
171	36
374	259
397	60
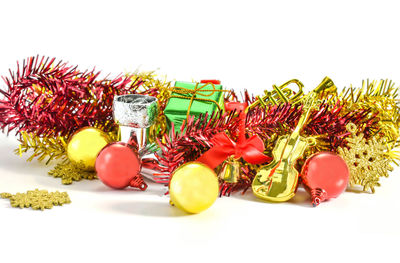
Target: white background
248	45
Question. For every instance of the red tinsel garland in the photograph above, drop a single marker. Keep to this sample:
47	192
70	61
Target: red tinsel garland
54	99
327	122
192	140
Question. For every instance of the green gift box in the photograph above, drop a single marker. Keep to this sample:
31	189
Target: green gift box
192	99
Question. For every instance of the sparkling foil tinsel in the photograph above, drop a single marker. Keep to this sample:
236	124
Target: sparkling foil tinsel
50	100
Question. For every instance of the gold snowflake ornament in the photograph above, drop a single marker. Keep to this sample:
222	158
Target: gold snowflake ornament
71	171
368	160
37	199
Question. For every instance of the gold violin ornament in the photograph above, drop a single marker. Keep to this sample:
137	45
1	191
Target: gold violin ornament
277	181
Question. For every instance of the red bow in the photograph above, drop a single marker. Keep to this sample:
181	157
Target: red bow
250	149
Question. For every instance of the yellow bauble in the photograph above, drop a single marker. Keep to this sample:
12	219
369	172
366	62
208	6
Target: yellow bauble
193	187
85	145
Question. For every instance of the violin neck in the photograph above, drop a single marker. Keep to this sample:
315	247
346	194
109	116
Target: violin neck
326	85
303	119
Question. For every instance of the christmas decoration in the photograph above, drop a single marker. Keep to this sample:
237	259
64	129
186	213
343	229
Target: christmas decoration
55	91
368	160
190	142
230	170
251	149
71	171
159	128
118	166
51	100
326	125
194	187
192	99
42	147
257	143
37	199
325	175
84	146
380	98
279	95
134	113
277	181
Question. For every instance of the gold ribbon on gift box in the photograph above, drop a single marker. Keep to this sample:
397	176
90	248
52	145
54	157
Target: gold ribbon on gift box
198	90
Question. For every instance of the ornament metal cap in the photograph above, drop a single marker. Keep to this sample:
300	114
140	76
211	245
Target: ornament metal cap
318	195
134	113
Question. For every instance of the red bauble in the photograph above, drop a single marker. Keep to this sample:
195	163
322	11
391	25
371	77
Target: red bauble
118	166
325	175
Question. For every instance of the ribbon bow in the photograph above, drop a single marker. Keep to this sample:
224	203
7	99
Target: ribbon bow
251	150
198	90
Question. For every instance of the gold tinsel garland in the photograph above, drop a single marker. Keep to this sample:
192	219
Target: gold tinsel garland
42	147
159	128
381	98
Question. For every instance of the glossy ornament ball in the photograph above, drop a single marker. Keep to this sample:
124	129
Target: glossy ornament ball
85	145
193	187
325	175
118	166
